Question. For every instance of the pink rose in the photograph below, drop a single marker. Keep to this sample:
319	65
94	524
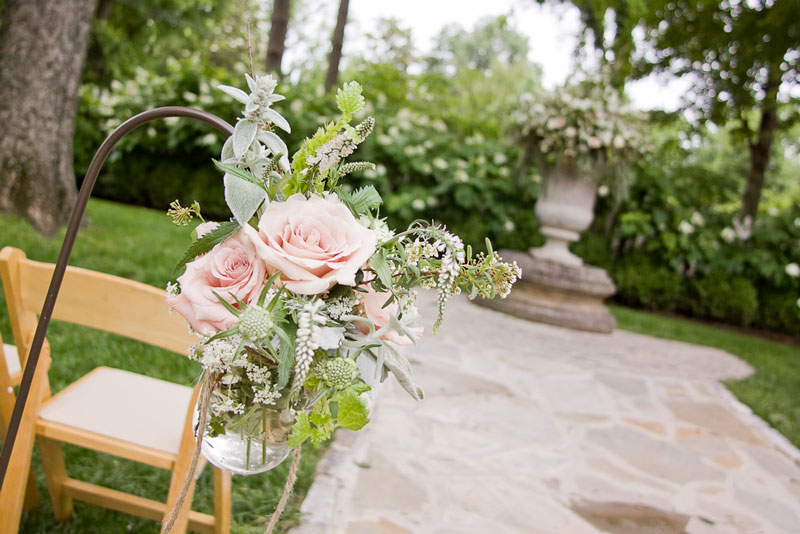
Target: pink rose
372	306
315	243
232	267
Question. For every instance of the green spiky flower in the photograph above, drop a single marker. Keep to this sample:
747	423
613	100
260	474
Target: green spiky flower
339	372
365	128
255	323
349	99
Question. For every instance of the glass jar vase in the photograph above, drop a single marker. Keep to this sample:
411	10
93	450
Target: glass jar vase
251	442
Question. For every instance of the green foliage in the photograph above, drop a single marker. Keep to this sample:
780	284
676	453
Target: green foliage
678	244
207	242
721	297
734	51
349	99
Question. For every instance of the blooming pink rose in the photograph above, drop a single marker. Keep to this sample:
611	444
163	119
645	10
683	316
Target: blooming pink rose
232	267
372	306
315	243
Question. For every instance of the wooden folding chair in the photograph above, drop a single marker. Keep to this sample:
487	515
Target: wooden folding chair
108	410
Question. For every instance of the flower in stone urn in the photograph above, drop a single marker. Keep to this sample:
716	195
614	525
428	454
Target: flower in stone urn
580	134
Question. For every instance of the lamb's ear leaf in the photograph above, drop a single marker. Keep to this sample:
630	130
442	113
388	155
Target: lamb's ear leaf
243	135
243	198
401	369
207	242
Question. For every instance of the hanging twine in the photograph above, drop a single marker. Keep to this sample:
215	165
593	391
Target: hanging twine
287	490
205	398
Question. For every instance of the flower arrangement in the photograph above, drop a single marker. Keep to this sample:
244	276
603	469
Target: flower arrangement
302	300
580	125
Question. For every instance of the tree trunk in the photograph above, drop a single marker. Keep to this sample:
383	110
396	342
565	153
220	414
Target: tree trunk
760	148
96	69
277	35
332	78
42	49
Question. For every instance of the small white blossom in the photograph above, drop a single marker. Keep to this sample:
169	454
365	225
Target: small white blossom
728	234
440	163
697	219
743	228
418	204
603	191
686	228
266	396
172	290
307	339
339	307
792	270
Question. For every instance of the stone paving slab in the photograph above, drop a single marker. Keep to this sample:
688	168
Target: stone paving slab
529	428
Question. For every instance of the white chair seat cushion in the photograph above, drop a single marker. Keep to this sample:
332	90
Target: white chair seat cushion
123	405
12	359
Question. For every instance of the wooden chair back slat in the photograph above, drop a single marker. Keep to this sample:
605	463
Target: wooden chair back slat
98	300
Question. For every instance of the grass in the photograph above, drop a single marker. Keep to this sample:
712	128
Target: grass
772	392
138	244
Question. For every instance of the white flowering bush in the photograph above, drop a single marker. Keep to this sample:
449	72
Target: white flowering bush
680	245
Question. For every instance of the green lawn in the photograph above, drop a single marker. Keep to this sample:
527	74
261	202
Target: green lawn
143	245
773	392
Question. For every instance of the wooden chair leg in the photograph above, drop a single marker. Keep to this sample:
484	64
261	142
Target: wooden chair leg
55	472
12	497
178	476
222	501
181	468
32	498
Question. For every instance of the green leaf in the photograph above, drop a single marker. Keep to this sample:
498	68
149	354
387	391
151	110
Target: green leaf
242	197
353	412
207	242
301	430
227	304
263	296
349	99
223	334
286	353
243	135
365	199
381	268
247	176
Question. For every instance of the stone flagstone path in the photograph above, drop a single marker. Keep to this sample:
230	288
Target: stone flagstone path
528	428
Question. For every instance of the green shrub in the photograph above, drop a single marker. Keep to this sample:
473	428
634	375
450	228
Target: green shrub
724	298
643	284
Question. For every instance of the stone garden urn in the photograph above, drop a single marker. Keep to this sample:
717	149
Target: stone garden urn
565	209
556	287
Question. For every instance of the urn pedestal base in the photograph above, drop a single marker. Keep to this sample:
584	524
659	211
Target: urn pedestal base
558	294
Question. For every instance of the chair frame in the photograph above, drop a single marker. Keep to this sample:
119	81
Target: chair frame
145	318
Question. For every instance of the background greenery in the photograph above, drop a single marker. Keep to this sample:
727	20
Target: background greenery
447	150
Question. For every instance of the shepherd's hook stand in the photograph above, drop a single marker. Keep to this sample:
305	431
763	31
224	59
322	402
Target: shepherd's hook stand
66	249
